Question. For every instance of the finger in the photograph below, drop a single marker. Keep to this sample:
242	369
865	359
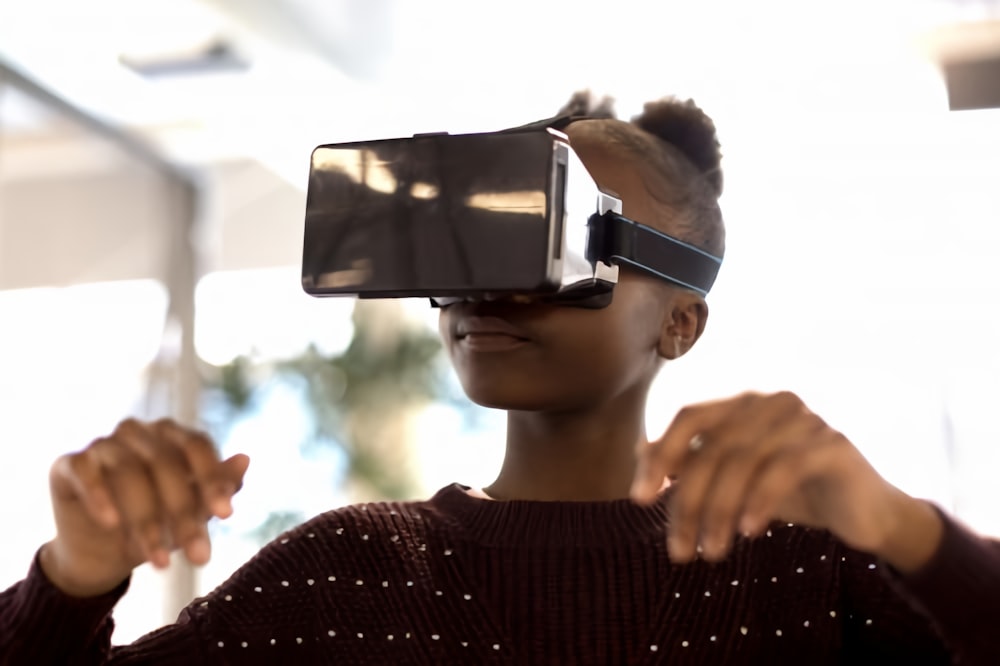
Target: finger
228	482
779	480
78	476
135	498
234	469
710	492
752	439
182	510
662	457
687	503
217	480
745	417
724	500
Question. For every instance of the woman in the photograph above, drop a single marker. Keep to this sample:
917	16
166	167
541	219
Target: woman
750	532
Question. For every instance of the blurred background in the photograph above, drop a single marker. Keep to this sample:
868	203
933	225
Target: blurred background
153	162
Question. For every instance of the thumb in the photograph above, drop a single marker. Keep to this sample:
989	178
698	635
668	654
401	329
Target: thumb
649	474
234	468
229	481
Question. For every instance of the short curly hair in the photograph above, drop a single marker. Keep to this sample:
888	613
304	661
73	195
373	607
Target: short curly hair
678	156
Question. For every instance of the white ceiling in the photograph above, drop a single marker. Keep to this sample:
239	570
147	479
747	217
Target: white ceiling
327	70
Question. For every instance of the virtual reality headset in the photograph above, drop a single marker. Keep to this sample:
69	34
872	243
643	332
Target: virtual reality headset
499	215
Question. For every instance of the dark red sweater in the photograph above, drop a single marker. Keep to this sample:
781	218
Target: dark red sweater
460	580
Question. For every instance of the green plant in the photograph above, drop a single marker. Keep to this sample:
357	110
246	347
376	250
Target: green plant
359	401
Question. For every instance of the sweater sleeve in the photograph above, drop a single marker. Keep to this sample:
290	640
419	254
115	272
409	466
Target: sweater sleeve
959	590
947	612
32	609
40	624
285	605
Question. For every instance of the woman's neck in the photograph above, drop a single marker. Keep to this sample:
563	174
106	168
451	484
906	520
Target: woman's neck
585	455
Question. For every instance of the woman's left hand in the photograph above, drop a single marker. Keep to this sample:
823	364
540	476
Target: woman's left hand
740	463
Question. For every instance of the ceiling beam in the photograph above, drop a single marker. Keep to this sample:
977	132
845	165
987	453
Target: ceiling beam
129	143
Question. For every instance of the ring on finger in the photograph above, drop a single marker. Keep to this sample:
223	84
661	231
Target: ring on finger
696	443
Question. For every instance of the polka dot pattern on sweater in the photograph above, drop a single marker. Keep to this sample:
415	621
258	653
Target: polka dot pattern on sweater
405	585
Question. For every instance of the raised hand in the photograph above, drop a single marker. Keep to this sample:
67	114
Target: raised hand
742	462
133	497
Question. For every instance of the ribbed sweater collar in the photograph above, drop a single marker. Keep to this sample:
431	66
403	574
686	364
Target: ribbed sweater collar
603	524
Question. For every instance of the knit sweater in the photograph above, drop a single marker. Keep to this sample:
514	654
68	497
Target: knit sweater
462	580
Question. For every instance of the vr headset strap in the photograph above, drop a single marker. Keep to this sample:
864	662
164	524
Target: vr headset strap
617	239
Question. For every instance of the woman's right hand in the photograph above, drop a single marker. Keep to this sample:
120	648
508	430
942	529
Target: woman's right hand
133	497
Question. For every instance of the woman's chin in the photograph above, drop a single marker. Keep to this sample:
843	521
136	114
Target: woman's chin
507	403
509	399
523	401
528	394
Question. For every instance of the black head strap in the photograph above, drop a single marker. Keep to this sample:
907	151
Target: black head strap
616	239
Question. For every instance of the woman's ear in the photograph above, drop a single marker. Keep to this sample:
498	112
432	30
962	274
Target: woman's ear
683	324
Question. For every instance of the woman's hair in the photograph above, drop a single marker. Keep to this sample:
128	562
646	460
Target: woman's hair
677	152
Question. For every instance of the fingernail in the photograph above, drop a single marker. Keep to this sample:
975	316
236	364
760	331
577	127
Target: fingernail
199	550
109	516
222	507
713	548
639	491
676	549
160	558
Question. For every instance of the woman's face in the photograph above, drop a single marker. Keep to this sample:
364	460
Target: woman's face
548	357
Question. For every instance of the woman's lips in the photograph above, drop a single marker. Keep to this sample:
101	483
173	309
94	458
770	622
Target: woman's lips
491	341
489	334
474	325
